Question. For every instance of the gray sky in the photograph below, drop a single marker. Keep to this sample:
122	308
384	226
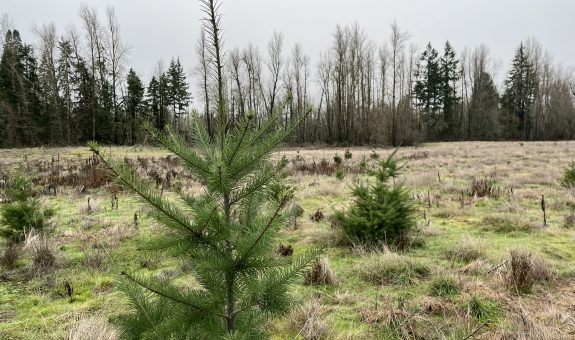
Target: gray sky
161	29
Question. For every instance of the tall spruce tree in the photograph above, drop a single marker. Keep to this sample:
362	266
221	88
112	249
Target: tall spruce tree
228	233
64	70
449	76
519	96
153	102
427	91
134	102
157	100
178	90
484	109
20	110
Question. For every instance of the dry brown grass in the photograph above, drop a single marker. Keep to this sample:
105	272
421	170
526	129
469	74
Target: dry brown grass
10	255
321	274
391	268
466	250
308	321
525	269
41	249
92	328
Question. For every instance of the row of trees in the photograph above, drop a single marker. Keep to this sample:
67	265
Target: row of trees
72	88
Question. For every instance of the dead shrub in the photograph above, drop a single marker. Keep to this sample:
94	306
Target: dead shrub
10	256
525	269
92	328
308	321
317	216
484	187
321	168
285	250
321	274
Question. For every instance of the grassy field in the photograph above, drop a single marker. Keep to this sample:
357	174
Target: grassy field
452	282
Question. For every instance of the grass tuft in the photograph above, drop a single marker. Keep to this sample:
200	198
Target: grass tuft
526	269
444	286
391	268
466	250
321	274
506	222
308	321
92	328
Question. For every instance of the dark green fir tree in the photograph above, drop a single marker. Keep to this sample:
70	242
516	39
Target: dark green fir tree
227	234
134	102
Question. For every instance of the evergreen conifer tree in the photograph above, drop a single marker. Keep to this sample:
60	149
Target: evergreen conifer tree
381	212
134	101
519	96
227	233
449	75
484	109
427	90
178	93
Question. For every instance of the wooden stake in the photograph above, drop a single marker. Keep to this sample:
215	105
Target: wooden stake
544	212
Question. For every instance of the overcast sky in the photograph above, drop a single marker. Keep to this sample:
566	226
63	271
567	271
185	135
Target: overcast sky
163	29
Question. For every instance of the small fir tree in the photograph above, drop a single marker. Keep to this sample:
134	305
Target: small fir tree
23	213
228	233
381	212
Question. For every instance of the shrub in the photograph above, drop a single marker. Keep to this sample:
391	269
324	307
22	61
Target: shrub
19	188
568	180
381	211
297	212
391	268
23	213
525	269
484	187
317	216
363	164
348	154
444	286
339	174
285	250
337	159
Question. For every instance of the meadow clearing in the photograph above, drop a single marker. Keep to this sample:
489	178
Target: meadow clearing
477	204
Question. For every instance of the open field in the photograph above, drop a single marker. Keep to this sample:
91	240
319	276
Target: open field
451	282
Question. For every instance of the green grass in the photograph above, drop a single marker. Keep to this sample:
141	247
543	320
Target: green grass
444	286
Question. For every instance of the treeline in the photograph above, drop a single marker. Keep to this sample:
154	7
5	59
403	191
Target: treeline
77	86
